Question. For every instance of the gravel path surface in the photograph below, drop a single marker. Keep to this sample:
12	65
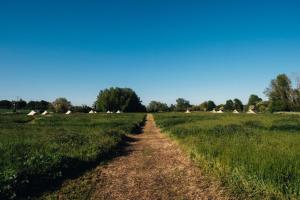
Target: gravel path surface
152	167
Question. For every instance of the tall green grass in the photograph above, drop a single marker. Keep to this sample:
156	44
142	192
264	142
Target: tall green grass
36	151
257	156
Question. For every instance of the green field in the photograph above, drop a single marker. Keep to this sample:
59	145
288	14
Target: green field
256	156
37	151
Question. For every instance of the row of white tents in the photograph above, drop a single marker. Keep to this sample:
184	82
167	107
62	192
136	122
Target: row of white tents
220	111
32	113
109	112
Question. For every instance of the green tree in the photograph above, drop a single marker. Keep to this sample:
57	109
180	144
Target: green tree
172	107
123	99
280	94
5	104
61	105
155	106
210	105
229	105
38	105
238	105
21	104
182	104
204	106
220	107
262	106
296	99
82	109
253	101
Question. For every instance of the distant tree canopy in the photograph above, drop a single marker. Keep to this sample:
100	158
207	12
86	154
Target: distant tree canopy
83	109
210	105
203	106
21	104
38	105
238	105
155	106
182	104
172	107
282	96
5	104
123	99
229	105
220	107
61	105
254	99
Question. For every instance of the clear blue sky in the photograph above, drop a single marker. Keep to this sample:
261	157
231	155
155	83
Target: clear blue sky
198	50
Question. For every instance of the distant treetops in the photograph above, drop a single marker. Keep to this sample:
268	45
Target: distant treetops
282	96
119	99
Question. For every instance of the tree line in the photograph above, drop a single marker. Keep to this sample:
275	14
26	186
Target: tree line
282	96
110	99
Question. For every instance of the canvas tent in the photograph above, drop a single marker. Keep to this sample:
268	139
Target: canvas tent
118	112
187	111
235	112
108	112
213	111
251	112
92	112
45	112
32	113
220	111
68	112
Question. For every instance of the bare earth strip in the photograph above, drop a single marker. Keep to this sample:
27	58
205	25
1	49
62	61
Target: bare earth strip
153	167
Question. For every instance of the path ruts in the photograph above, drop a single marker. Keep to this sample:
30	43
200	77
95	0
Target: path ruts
152	167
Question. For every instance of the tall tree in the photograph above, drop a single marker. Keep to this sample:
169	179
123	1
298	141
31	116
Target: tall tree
210	105
204	106
229	105
155	106
253	100
182	104
123	99
280	94
38	105
21	104
5	104
61	105
238	105
172	107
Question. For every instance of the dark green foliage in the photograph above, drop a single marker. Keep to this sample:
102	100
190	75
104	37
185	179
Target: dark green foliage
155	106
210	105
21	104
182	104
61	105
172	107
253	100
35	152
229	105
123	99
281	94
82	109
238	105
5	104
203	106
38	105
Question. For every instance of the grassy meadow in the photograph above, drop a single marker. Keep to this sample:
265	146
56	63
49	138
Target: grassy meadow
37	151
256	156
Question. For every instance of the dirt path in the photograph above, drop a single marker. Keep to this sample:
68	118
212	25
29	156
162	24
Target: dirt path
152	168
